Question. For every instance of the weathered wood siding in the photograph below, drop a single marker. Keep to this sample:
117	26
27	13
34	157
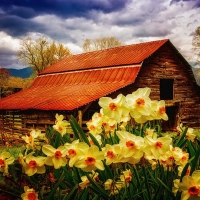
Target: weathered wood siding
15	124
166	63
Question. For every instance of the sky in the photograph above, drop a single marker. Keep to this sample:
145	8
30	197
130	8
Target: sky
70	22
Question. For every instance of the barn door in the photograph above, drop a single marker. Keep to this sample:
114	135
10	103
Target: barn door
171	124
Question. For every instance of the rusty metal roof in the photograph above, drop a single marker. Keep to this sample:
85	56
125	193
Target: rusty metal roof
80	79
67	91
123	55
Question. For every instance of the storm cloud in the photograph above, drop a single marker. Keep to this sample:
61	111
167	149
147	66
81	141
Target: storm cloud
72	21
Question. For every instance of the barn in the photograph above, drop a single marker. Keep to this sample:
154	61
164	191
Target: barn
73	85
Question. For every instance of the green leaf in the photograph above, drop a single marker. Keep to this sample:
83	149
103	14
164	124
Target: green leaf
191	148
96	188
69	196
50	196
57	140
184	171
146	182
79	131
85	194
180	140
10	193
167	188
95	141
194	162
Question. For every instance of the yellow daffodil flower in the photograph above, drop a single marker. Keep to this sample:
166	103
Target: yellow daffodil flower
176	186
62	126
126	176
33	139
74	150
5	160
189	135
114	108
29	194
55	157
94	127
139	103
190	186
158	146
113	186
34	165
85	182
112	153
97	137
90	159
131	146
161	111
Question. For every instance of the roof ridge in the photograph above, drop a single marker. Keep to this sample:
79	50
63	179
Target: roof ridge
116	56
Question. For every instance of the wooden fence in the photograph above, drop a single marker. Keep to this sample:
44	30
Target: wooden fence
15	124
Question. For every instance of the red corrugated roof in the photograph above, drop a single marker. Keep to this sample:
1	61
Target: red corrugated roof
79	79
124	55
67	91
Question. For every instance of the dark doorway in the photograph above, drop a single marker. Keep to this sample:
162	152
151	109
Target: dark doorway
171	124
166	89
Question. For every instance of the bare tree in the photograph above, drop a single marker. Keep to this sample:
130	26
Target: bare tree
196	45
41	53
100	44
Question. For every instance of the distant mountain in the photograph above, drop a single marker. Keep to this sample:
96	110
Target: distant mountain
22	73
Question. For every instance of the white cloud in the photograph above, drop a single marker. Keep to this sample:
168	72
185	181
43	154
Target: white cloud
8	42
139	21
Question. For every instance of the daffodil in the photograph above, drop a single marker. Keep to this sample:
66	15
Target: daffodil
190	186
181	157
29	194
90	160
180	170
151	133
94	127
74	150
85	182
55	157
114	108
33	140
61	125
112	153
113	186
189	134
5	160
97	137
175	156
139	104
34	165
161	111
175	186
108	124
157	146
126	176
131	147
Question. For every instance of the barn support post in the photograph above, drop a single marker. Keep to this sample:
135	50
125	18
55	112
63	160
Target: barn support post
80	117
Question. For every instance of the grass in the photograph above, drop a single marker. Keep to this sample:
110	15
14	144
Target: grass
14	150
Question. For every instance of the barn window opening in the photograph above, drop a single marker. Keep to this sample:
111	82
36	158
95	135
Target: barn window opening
166	89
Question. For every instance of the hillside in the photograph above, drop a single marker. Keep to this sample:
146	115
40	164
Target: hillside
22	73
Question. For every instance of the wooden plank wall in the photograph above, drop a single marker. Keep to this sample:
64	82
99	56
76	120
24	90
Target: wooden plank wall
167	64
15	124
